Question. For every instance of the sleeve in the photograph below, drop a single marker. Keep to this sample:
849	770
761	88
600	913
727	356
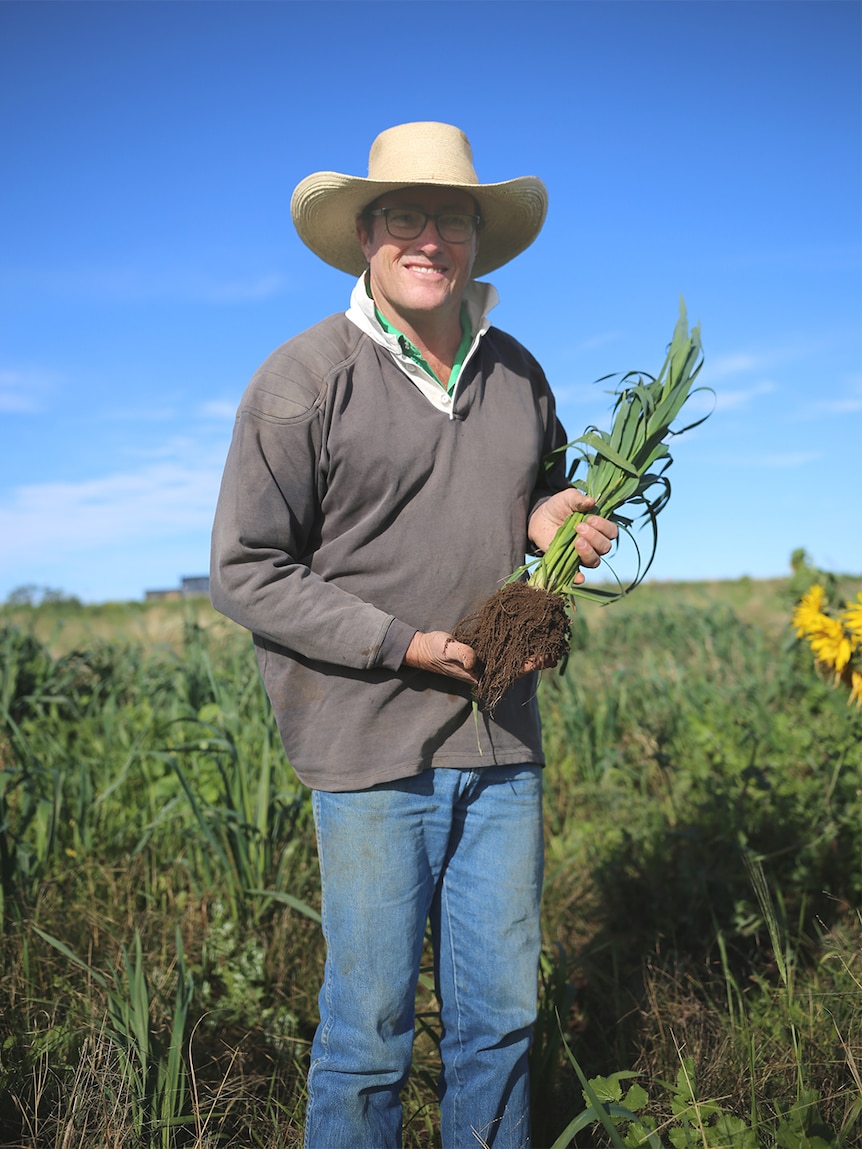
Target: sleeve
553	474
264	524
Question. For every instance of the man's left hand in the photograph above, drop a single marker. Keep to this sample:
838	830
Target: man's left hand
595	535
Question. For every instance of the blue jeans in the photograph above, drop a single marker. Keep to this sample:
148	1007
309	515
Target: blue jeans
464	849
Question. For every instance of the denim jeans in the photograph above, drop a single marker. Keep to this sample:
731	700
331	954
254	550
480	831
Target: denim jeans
462	848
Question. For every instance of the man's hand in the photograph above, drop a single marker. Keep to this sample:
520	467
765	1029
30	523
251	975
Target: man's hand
595	535
437	651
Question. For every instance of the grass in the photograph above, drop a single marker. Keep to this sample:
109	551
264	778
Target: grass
160	951
64	628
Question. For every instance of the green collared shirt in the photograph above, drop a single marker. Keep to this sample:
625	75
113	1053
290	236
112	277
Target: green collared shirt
416	355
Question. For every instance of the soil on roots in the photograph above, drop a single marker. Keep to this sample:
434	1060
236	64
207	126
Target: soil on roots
518	624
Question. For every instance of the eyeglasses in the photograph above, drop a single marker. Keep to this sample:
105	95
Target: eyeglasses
409	223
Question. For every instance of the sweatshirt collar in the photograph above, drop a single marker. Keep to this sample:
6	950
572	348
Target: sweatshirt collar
479	299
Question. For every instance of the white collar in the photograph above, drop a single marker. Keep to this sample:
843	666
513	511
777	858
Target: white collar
479	299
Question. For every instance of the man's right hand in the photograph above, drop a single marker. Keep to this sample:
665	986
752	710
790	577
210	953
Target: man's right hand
437	651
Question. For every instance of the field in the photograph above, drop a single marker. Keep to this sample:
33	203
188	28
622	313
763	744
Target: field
702	966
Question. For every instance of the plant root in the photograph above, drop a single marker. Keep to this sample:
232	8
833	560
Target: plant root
517	625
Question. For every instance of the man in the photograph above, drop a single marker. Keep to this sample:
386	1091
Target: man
386	474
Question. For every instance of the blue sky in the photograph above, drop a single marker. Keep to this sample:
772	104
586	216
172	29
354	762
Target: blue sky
148	262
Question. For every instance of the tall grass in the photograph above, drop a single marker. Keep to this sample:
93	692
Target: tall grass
161	954
705	835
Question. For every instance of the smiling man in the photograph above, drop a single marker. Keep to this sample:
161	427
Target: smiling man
385	475
421	261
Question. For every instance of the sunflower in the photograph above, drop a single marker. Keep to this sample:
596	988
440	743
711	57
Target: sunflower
830	644
808	615
852	619
835	639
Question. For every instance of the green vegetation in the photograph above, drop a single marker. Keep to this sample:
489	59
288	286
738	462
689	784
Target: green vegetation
160	960
626	467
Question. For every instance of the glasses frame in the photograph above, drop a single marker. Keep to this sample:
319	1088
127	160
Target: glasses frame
426	215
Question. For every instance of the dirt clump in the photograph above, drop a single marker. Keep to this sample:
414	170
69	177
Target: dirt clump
517	625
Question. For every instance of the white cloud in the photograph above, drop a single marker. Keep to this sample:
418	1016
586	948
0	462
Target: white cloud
111	534
23	390
159	501
784	461
733	364
223	409
136	283
137	415
774	461
601	339
254	288
176	448
846	404
727	399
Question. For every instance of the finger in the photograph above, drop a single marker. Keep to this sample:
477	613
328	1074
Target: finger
438	652
456	659
590	556
539	663
578	501
592	542
459	653
600	526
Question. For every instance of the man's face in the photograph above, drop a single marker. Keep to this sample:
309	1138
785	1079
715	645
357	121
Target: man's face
414	280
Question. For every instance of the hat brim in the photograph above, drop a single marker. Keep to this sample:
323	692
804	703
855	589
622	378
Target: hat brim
325	206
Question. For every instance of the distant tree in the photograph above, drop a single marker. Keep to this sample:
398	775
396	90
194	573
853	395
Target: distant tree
32	595
23	595
51	594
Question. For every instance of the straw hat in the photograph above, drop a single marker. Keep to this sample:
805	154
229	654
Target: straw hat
325	205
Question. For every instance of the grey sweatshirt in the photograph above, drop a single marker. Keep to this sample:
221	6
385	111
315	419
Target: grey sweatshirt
353	513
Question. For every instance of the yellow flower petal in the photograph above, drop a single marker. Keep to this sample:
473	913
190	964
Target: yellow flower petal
831	645
808	614
852	619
